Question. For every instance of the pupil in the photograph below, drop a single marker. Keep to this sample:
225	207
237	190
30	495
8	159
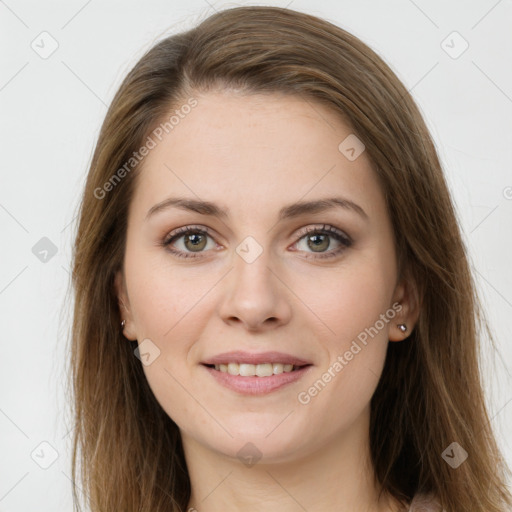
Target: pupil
195	240
318	241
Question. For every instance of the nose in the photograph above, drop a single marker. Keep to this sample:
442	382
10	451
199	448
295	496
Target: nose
254	295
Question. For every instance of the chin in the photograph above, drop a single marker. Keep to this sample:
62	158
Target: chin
260	443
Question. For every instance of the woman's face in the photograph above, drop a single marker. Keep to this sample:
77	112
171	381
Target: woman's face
272	274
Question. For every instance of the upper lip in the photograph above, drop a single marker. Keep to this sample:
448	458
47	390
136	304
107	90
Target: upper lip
241	357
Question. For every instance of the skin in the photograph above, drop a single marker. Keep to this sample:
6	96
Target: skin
254	154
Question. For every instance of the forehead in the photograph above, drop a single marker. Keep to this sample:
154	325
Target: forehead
254	151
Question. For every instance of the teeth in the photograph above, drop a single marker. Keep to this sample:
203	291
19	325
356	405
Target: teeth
251	370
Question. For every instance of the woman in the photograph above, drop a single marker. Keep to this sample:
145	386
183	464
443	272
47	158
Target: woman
274	307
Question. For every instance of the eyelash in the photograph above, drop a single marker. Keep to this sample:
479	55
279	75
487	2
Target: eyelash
345	240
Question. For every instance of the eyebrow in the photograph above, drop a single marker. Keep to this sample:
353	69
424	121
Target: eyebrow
287	212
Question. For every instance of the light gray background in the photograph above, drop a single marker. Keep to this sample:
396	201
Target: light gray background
51	112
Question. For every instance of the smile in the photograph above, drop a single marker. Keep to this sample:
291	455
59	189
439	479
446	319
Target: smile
256	379
258	370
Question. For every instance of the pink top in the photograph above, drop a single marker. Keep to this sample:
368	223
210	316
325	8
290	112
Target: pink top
425	503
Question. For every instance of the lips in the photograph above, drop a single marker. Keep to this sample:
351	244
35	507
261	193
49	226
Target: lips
242	357
258	385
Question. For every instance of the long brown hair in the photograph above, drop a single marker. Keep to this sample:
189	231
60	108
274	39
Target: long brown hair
430	393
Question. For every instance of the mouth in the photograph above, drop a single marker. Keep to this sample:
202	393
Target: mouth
255	370
256	379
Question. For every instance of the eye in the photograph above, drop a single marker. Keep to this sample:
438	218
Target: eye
195	240
319	239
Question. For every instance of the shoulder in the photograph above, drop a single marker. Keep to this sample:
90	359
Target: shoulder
425	503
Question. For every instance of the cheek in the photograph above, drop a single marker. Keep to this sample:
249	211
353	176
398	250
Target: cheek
170	308
353	305
347	300
163	293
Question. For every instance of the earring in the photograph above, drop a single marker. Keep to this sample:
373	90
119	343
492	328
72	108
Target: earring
402	327
123	323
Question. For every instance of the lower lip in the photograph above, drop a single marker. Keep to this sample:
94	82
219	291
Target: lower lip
257	385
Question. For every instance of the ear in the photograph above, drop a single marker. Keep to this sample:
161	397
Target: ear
124	306
406	294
